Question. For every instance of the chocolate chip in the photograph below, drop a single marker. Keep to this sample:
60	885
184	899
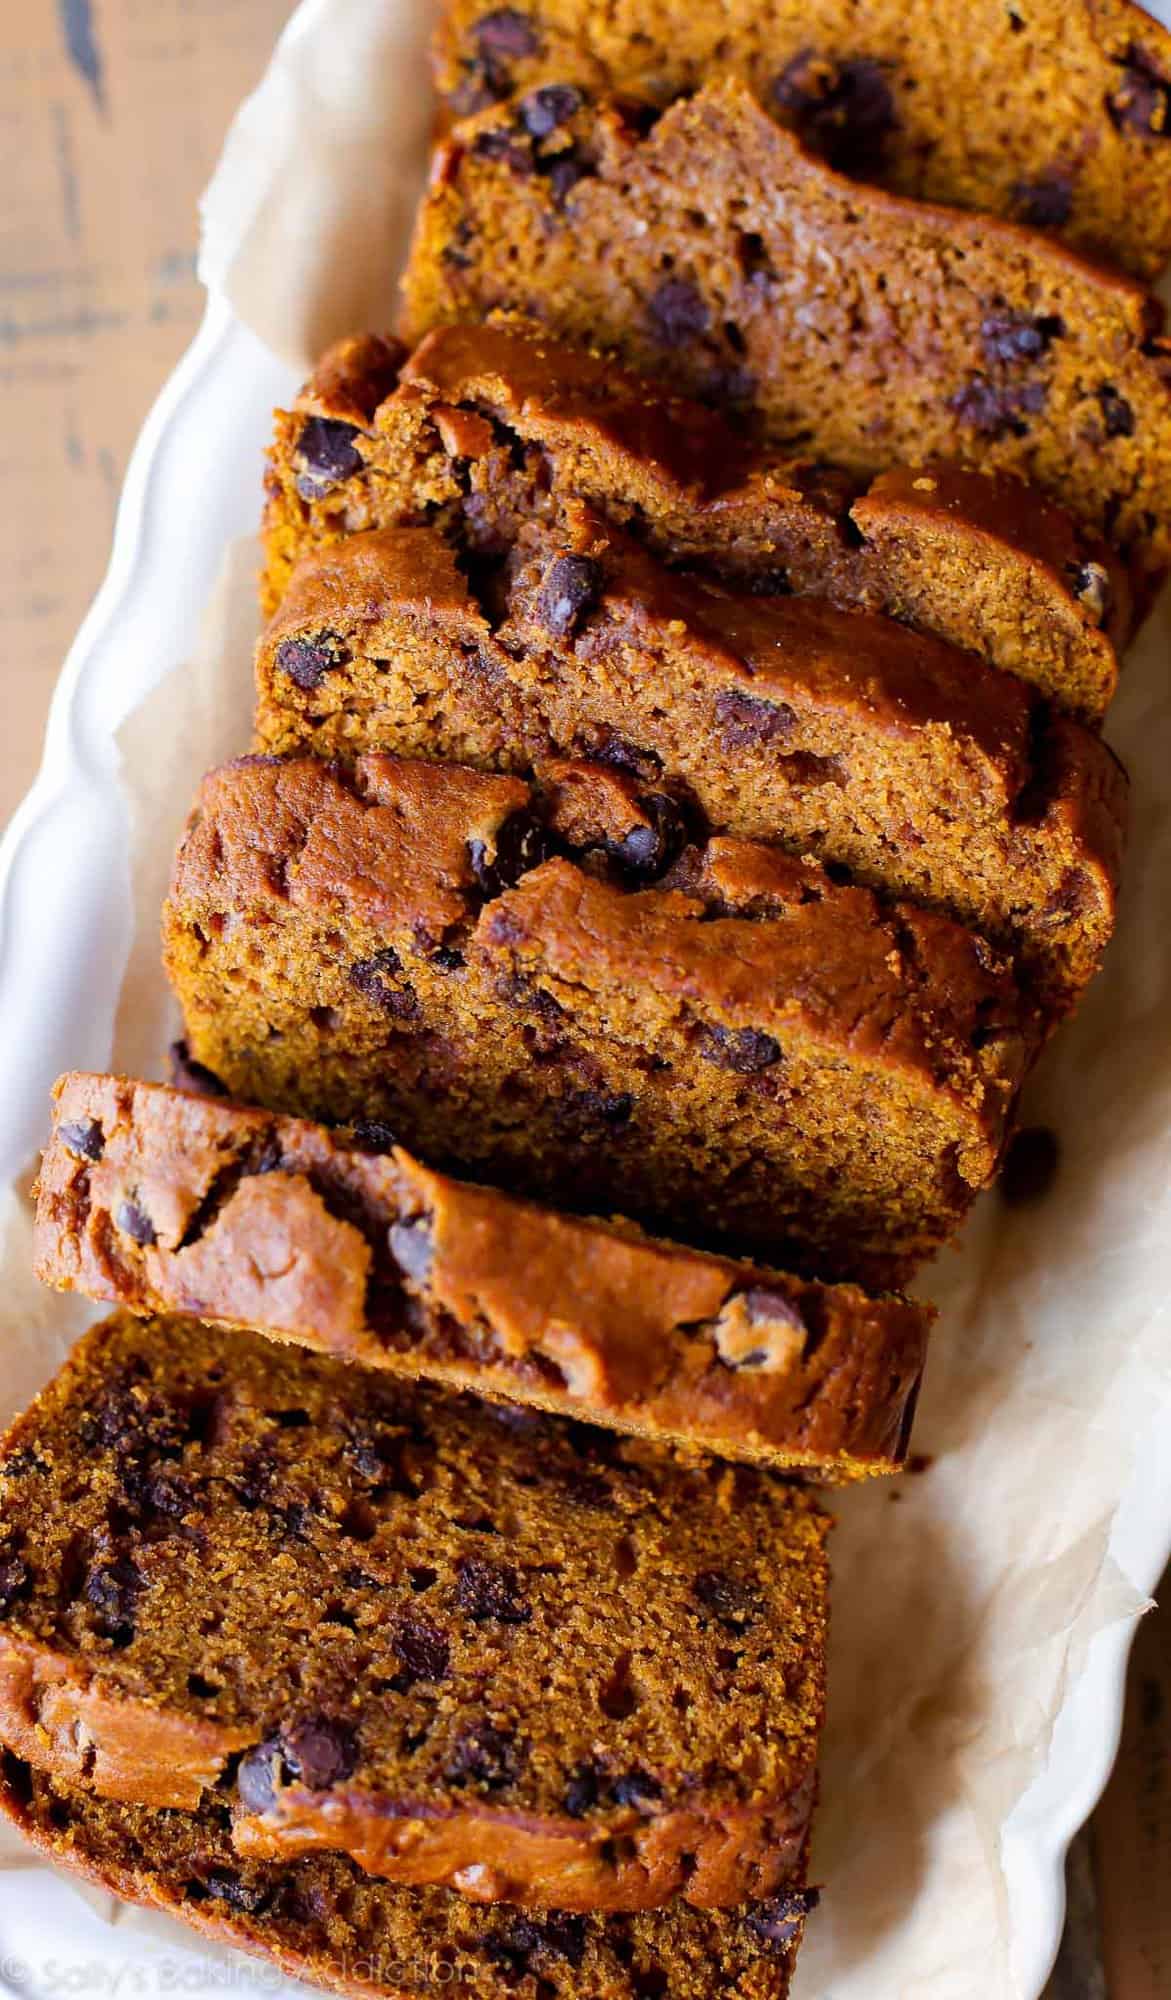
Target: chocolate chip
422	1650
1117	415
583	1108
249	1897
778	1919
193	1077
319	1749
1090	584
766	1306
571	588
1140	103
844	111
1030	1166
487	1590
85	1138
412	1245
326	455
371	978
256	1777
308	661
678	312
747	719
506	32
373	1135
544	110
525	1939
636	1788
1011	337
744	1050
518	846
484	1755
168	1494
564	171
507	149
997	409
1047	202
112	1589
648	851
134	1222
15	1581
582	1791
733	1603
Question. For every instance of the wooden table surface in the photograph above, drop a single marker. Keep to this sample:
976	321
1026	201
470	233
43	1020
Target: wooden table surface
111	117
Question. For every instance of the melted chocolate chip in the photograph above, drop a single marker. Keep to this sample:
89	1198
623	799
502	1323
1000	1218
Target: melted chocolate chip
527	1939
1030	1166
766	1307
250	1897
412	1245
997	409
373	1135
506	32
112	1589
308	661
487	1590
1090	584
507	149
571	588
543	111
1117	415
85	1138
484	1755
746	719
256	1776
134	1222
636	1788
844	111
371	978
519	845
648	851
193	1077
326	455
733	1603
583	1790
744	1050
778	1919
564	171
1140	103
1047	202
1012	337
320	1750
422	1650
678	312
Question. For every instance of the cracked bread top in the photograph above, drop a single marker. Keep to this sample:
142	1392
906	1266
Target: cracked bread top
491	425
161	1201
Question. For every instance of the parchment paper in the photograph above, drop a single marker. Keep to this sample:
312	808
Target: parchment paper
965	1596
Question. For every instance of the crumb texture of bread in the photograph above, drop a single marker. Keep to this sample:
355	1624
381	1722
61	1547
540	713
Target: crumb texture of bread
840	321
466	1645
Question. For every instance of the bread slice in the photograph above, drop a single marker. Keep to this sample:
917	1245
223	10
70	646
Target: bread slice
321	1919
466	1646
846	323
486	427
744	1052
840	734
160	1201
1055	113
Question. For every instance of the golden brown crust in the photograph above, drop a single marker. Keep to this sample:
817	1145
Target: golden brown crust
841	734
645	1335
494	424
1064	122
349	1636
744	1052
996	346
